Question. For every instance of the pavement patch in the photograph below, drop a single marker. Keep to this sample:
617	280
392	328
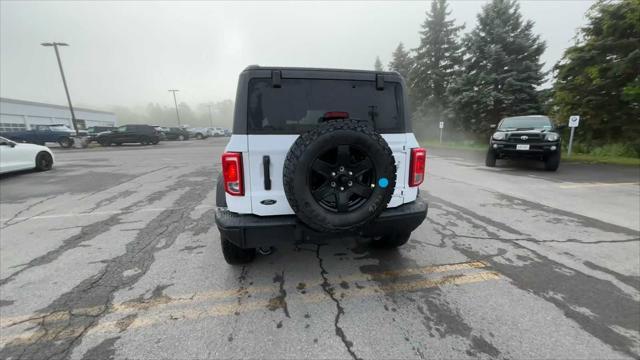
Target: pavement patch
96	293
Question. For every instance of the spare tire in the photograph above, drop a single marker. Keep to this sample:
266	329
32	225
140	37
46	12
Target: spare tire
339	176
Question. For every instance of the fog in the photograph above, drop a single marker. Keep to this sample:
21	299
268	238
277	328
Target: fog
129	54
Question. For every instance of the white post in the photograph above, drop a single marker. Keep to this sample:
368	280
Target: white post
573	129
574	121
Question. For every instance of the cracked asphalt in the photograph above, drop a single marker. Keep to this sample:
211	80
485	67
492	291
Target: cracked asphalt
115	254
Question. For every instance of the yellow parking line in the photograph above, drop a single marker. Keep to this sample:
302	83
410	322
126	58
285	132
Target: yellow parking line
131	306
218	310
597	184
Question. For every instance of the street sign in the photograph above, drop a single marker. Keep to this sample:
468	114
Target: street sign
574	121
441	124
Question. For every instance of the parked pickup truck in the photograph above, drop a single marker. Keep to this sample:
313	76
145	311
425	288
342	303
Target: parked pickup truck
42	134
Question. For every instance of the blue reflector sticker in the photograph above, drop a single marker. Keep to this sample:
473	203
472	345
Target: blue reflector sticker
383	182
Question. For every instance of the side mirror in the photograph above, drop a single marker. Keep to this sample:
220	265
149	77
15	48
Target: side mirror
493	126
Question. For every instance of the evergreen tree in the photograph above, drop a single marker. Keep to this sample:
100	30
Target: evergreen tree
599	77
437	64
502	68
377	66
402	62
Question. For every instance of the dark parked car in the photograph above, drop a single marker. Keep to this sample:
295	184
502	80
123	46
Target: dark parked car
42	134
94	131
161	131
143	134
175	133
531	136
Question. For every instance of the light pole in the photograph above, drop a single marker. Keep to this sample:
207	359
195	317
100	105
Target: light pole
176	103
210	117
64	81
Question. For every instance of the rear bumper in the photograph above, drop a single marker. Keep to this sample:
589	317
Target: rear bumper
251	231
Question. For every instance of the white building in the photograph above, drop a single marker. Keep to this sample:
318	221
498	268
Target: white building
18	115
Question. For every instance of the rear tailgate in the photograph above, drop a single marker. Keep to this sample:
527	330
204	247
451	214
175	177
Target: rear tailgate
273	201
397	143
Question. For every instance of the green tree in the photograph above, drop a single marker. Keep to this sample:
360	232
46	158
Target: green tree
502	68
437	64
401	62
599	77
377	66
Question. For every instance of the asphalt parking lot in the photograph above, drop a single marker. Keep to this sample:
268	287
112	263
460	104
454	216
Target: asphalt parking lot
115	253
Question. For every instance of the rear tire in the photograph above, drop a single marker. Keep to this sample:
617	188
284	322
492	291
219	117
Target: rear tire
234	255
490	160
391	241
65	142
181	138
199	136
552	162
44	161
353	209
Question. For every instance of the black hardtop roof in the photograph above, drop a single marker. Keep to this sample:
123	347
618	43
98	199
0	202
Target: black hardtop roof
322	72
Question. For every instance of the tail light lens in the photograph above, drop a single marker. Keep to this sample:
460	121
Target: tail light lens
232	173
417	166
332	115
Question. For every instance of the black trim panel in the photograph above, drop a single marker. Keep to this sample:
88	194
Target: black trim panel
266	162
251	231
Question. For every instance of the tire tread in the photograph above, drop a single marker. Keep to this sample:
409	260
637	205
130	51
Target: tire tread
316	219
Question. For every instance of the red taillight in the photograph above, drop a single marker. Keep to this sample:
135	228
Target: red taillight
331	115
417	166
232	173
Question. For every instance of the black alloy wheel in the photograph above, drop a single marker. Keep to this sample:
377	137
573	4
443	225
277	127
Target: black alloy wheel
342	178
44	161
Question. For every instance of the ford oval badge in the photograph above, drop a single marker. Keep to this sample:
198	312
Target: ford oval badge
267	202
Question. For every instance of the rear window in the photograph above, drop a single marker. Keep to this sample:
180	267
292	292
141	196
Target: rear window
300	104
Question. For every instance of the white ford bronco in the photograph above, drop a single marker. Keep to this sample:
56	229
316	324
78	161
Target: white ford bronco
318	153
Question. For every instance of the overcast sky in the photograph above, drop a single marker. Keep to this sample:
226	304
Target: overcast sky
126	53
